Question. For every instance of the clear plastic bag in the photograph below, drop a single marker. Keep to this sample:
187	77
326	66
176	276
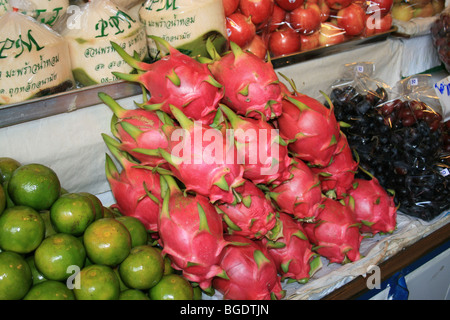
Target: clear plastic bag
398	136
89	30
34	59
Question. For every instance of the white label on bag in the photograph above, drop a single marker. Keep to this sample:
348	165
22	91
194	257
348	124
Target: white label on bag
442	89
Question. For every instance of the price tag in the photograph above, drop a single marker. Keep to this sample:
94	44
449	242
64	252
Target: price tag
413	82
442	89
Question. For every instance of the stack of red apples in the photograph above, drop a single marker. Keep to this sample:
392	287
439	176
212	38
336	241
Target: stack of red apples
288	26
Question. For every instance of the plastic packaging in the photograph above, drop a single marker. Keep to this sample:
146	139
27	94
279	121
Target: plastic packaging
44	11
185	24
440	33
89	31
4	7
34	59
406	10
398	136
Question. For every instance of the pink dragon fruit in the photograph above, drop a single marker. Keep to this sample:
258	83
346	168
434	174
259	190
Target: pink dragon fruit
292	252
251	271
176	79
136	189
191	234
260	148
309	127
374	208
251	215
139	129
335	234
208	168
251	84
337	178
300	194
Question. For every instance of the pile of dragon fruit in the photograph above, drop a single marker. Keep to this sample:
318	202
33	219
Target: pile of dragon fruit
244	182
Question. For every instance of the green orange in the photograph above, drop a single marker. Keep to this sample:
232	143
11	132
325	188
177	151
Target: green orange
96	203
7	166
15	276
22	229
172	287
107	241
143	268
72	213
34	185
2	199
97	282
133	294
136	228
37	276
57	254
49	290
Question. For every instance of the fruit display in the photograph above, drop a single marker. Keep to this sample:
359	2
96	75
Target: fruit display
285	27
405	10
243	194
440	33
58	245
403	143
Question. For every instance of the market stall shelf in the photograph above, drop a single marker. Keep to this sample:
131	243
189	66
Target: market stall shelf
321	52
39	108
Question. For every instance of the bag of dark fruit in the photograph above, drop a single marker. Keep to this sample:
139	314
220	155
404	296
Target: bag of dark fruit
399	136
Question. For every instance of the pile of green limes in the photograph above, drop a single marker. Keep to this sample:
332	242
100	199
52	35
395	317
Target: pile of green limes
57	245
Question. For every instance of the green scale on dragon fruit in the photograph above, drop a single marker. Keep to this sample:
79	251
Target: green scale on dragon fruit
309	127
191	234
251	271
136	189
251	86
176	79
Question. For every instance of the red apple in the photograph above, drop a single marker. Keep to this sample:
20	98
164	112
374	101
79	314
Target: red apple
383	6
240	29
289	5
259	10
257	47
338	4
283	41
305	19
278	18
230	6
376	24
309	41
324	10
352	19
330	34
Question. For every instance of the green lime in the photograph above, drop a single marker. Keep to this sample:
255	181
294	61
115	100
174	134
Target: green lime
136	228
96	203
172	287
57	255
133	294
143	268
49	290
168	269
15	276
123	286
49	228
97	282
198	293
7	166
108	212
37	276
34	185
22	229
107	241
2	199
72	213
